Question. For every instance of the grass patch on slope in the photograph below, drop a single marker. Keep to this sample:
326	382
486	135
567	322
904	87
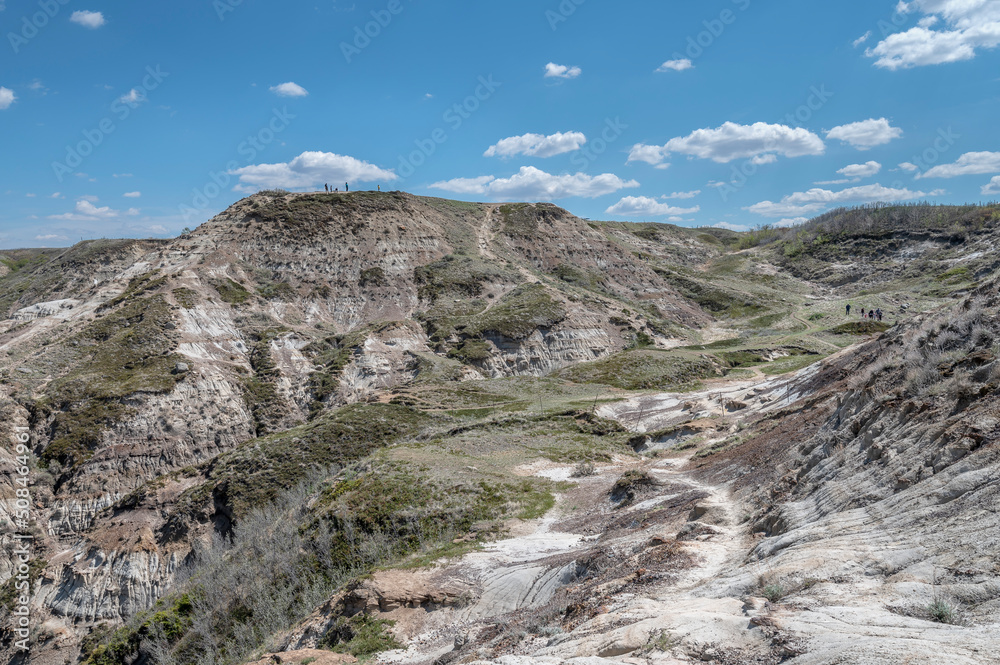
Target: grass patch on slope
125	352
641	369
257	471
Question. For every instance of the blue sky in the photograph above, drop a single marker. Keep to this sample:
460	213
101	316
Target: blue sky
138	119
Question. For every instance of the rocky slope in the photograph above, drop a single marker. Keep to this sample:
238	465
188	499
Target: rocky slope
371	345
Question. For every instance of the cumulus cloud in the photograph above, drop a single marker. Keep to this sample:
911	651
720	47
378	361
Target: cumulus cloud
644	206
732	141
552	70
969	25
88	19
862	39
971	163
675	65
132	195
683	195
650	154
309	170
760	160
804	203
534	184
907	166
860	170
86	211
866	134
992	187
731	227
289	90
537	145
133	97
7	97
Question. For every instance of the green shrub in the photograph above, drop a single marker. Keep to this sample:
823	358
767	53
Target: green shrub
942	612
231	292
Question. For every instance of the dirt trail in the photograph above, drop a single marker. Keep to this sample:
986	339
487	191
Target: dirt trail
487	234
523	575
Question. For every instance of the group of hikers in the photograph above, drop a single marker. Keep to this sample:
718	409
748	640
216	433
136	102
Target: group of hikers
872	314
346	188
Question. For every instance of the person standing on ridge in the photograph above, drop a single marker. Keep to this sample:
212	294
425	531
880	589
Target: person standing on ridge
346	188
848	309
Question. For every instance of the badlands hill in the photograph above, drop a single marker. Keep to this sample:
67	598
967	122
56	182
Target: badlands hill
375	423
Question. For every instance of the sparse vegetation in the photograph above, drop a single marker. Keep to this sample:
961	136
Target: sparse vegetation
643	370
125	352
629	485
942	612
231	291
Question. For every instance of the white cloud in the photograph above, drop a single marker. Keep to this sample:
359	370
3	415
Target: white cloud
808	202
289	90
992	187
675	65
866	134
971	163
7	97
840	181
731	227
860	170
50	236
644	206
534	184
772	209
57	195
121	175
86	211
537	145
132	195
308	170
907	166
760	160
862	39
970	25
30	195
683	195
133	98
88	19
790	221
651	154
732	141
552	70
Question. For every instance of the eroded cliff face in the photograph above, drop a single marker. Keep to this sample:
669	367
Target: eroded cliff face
137	363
